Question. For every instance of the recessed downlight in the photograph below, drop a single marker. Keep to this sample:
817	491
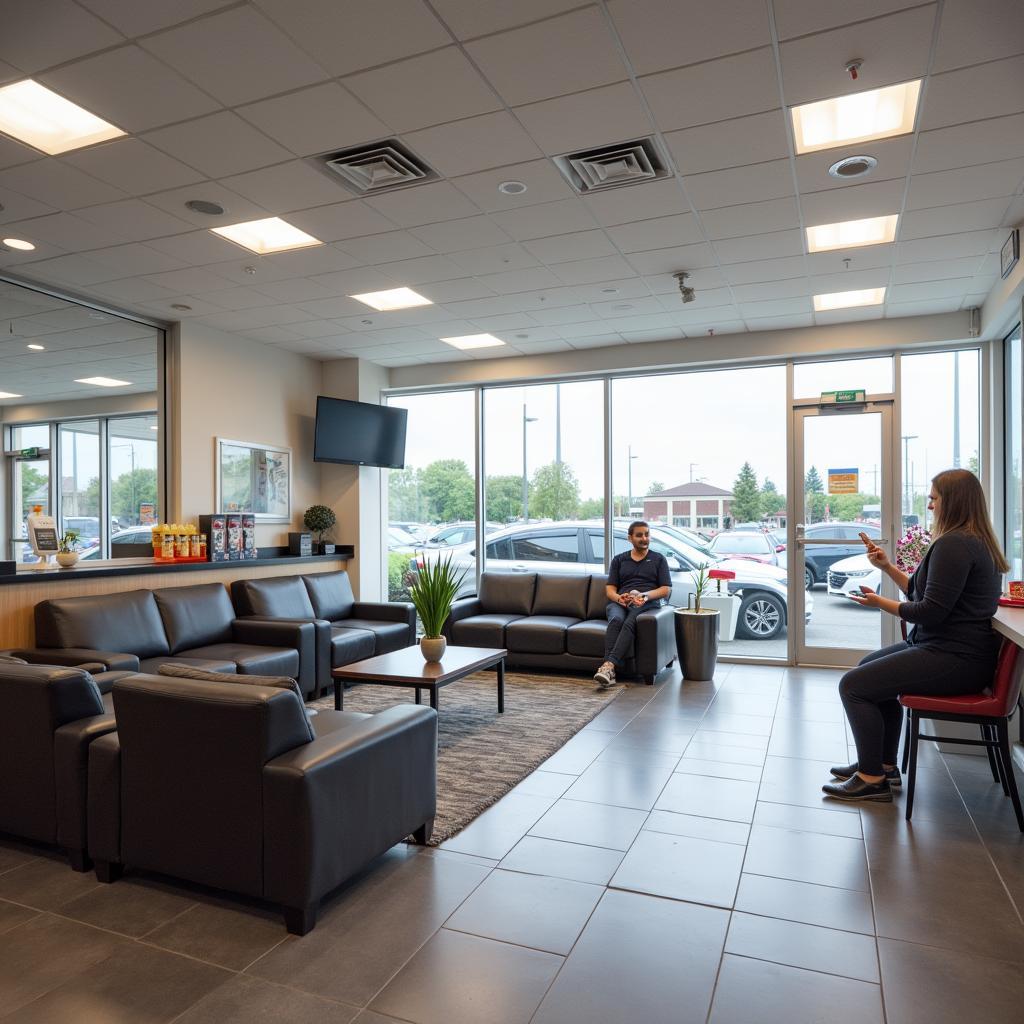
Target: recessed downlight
468	341
33	114
844	300
19	243
103	382
269	235
850	234
205	206
9	394
393	298
853	167
37	348
512	188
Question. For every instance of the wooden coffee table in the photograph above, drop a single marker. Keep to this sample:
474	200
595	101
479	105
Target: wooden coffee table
407	668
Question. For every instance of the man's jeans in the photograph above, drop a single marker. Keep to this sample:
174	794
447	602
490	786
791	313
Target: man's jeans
618	639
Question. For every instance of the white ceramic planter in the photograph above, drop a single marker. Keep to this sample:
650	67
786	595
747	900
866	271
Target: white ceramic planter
728	607
67	559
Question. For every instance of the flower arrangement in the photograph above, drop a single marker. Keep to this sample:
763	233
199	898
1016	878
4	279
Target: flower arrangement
68	542
911	547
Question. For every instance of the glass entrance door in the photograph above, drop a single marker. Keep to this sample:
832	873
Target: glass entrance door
844	487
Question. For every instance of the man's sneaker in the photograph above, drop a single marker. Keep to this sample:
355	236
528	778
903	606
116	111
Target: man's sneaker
892	775
605	675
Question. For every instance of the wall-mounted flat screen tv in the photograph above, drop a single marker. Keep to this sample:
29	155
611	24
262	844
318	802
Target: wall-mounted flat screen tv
359	433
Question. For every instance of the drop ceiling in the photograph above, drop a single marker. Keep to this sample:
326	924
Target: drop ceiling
232	103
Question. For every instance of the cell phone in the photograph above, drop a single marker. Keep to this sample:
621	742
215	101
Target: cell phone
853	595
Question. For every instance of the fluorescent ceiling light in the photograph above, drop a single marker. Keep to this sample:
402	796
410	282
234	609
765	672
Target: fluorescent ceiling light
18	243
862	117
396	298
265	236
9	394
848	234
103	382
31	113
37	348
843	300
466	341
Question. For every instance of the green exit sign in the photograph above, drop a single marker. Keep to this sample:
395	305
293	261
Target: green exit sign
28	453
853	396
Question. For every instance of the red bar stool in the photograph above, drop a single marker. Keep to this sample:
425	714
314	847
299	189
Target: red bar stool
991	709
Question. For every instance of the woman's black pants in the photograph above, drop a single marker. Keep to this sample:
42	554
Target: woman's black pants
871	693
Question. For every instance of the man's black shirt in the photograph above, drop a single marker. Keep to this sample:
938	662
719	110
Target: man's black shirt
626	574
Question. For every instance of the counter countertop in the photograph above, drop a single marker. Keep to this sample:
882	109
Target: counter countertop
1010	622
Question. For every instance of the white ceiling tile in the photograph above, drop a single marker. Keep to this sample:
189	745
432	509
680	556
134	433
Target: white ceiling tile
642	337
458	235
765	270
986	181
316	120
135	258
668	261
539	348
193	280
661	233
133	166
57	184
470	18
396	93
567	53
266	316
66	231
384	248
286	187
298	290
515	281
236	208
76	270
662	198
131	89
744	140
605	268
617	308
576	246
239	298
340	221
661	34
313	328
789	289
318	259
753	183
599	117
714	90
15	206
971	94
421	270
274	335
944	220
802	17
779	323
132	290
543	185
597	341
893	156
973	31
218	145
592	328
197	248
459	290
38	35
844	261
562	217
1001	138
849	280
779	244
473	144
236	56
751	218
874	199
12	153
937	270
338	306
927	290
422	204
947	247
346	37
776	307
923	307
135	19
134	220
895	49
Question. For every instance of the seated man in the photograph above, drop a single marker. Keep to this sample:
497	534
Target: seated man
637	579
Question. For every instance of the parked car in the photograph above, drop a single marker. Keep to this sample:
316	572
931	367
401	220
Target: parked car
753	545
850	574
818	558
135	535
418	530
400	540
578	547
454	534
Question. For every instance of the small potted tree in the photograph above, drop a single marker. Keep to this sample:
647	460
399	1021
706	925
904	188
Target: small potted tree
697	631
432	592
67	549
320	519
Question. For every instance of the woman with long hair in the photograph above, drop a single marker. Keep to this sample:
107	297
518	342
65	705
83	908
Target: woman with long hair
951	647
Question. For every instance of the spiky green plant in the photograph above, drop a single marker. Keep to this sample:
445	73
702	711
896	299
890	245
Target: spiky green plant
433	591
701	583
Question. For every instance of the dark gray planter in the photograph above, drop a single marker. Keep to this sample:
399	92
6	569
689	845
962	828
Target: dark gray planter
697	642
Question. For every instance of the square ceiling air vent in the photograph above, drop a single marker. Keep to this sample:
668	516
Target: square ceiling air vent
626	163
380	167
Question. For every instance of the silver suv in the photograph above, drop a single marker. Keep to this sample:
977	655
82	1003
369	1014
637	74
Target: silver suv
578	547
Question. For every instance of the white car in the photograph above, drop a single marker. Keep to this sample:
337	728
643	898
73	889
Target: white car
850	574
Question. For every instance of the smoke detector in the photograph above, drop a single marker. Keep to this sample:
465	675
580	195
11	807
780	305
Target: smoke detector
685	290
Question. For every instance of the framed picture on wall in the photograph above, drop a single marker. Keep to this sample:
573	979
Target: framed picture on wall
256	478
1010	253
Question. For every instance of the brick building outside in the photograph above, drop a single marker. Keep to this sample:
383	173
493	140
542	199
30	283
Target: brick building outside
695	506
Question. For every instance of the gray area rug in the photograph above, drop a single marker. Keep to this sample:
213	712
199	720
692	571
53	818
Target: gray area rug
481	754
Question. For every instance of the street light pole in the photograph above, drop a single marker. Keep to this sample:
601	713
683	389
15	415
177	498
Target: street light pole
526	491
692	464
629	481
907	438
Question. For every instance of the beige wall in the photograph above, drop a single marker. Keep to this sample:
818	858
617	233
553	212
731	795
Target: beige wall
226	386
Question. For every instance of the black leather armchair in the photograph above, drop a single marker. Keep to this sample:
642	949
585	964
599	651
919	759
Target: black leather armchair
49	715
231	786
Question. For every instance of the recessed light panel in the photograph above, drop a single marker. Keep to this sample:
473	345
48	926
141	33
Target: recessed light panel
37	348
849	234
9	394
396	298
844	300
861	117
103	382
266	236
31	113
467	341
18	243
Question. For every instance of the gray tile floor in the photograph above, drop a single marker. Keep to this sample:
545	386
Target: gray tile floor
673	862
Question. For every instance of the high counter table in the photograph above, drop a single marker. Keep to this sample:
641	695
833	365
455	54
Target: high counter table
1010	623
20	593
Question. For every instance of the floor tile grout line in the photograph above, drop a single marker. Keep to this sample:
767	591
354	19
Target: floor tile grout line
797	967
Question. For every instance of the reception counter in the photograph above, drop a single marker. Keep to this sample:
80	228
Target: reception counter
20	593
1010	623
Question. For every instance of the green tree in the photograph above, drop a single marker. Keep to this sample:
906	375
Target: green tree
554	492
34	489
812	482
655	487
504	498
850	506
404	495
973	465
745	506
772	503
591	508
129	490
447	491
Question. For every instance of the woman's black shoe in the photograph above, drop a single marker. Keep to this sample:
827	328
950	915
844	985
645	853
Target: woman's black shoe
846	771
855	788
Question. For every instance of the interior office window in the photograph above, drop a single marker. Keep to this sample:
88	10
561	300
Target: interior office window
873	375
1014	374
940	426
30	480
79	486
132	467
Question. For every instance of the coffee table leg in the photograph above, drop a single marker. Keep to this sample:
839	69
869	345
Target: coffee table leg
417	695
501	686
339	700
433	696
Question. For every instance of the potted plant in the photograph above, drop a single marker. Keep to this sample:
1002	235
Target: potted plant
697	631
320	519
67	549
432	593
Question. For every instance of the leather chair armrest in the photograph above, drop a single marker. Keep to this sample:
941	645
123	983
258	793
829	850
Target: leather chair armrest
300	634
461	610
71	768
331	805
322	633
73	657
397	611
655	640
103	807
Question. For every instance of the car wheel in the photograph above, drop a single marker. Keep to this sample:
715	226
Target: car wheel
762	616
808	578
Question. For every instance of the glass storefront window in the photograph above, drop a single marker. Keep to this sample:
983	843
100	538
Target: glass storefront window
873	375
134	492
79	490
1014	440
31	483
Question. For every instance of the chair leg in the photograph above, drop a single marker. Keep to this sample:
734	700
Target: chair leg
906	741
1007	764
989	734
107	871
79	860
301	920
423	833
913	725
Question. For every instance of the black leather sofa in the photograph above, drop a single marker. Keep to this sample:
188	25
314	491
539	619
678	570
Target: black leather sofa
232	786
547	620
347	630
48	717
140	629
